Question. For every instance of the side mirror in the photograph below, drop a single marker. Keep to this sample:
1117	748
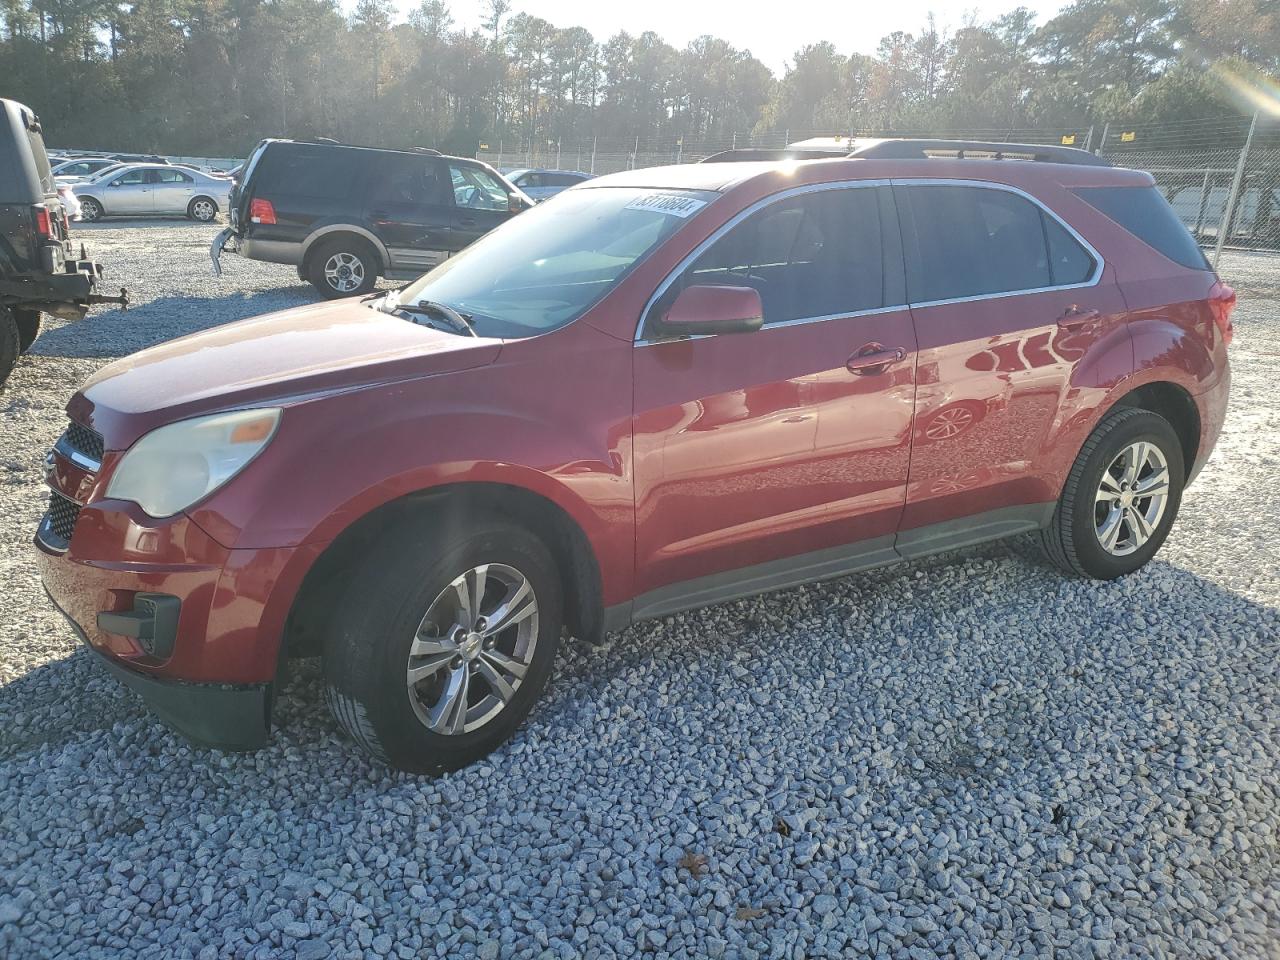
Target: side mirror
707	309
516	203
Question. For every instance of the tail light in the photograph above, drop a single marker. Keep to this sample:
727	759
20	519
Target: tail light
43	222
1222	300
261	211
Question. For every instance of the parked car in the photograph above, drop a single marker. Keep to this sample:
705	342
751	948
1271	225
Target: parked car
149	189
41	270
668	388
543	184
78	169
346	215
70	205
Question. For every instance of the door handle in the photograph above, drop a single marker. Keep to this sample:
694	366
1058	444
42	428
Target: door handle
467	221
1074	317
873	358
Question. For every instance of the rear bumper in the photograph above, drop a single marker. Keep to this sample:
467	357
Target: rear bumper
222	716
1212	407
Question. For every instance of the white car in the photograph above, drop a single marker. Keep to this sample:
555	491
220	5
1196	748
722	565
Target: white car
70	205
79	169
153	189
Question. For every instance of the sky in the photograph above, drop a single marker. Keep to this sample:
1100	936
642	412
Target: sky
773	33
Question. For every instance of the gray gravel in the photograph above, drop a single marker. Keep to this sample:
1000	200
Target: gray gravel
964	757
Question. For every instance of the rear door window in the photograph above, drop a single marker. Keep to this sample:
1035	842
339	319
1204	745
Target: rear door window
305	170
817	254
404	178
967	241
1145	213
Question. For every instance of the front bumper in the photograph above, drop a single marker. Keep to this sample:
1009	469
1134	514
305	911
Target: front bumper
222	716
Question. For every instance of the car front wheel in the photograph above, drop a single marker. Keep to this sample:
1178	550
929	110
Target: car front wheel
90	210
1120	499
444	642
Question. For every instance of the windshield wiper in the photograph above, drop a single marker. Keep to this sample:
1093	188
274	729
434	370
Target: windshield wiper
457	321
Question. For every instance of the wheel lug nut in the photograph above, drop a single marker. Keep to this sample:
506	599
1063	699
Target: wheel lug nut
457	662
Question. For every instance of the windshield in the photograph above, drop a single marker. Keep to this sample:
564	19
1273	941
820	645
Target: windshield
547	266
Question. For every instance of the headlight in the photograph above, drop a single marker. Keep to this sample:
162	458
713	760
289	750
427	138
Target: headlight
176	465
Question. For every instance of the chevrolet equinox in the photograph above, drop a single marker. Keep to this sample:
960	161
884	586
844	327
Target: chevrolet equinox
662	389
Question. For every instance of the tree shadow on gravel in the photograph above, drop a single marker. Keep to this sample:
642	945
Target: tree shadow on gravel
116	333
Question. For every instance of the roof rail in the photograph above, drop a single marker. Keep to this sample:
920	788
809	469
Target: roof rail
322	140
908	149
429	151
747	154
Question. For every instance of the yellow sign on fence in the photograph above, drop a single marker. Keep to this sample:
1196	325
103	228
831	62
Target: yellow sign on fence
1128	136
1068	139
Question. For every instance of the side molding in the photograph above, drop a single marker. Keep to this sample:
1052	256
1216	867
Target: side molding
832	562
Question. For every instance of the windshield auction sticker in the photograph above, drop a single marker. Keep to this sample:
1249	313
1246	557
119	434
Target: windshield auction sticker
672	204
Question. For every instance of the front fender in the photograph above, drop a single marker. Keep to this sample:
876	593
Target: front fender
336	458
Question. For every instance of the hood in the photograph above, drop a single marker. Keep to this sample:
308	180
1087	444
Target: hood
276	359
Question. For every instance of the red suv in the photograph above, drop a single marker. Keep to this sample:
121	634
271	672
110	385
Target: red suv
661	389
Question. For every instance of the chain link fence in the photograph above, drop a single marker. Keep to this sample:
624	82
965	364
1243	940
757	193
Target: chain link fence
1221	175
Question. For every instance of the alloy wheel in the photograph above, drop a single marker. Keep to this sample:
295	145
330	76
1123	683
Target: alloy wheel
203	210
344	272
1131	498
473	648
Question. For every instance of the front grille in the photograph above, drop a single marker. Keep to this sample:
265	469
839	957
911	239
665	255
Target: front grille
84	441
61	518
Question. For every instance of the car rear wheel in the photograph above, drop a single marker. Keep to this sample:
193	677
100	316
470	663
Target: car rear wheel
28	323
204	209
1120	499
344	267
9	343
90	209
444	641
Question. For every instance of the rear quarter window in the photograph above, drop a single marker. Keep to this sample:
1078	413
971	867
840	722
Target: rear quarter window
1144	213
301	171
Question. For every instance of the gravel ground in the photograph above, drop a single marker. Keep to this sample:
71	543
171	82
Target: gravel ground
968	756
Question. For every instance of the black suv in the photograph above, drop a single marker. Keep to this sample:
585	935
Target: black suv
39	269
345	215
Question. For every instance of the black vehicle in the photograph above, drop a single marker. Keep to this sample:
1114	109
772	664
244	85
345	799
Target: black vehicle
345	215
137	158
39	269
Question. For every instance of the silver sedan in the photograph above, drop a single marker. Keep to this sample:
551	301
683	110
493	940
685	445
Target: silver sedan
153	189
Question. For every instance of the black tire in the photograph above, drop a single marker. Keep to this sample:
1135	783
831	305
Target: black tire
90	210
366	652
10	341
1071	541
359	250
197	209
28	322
